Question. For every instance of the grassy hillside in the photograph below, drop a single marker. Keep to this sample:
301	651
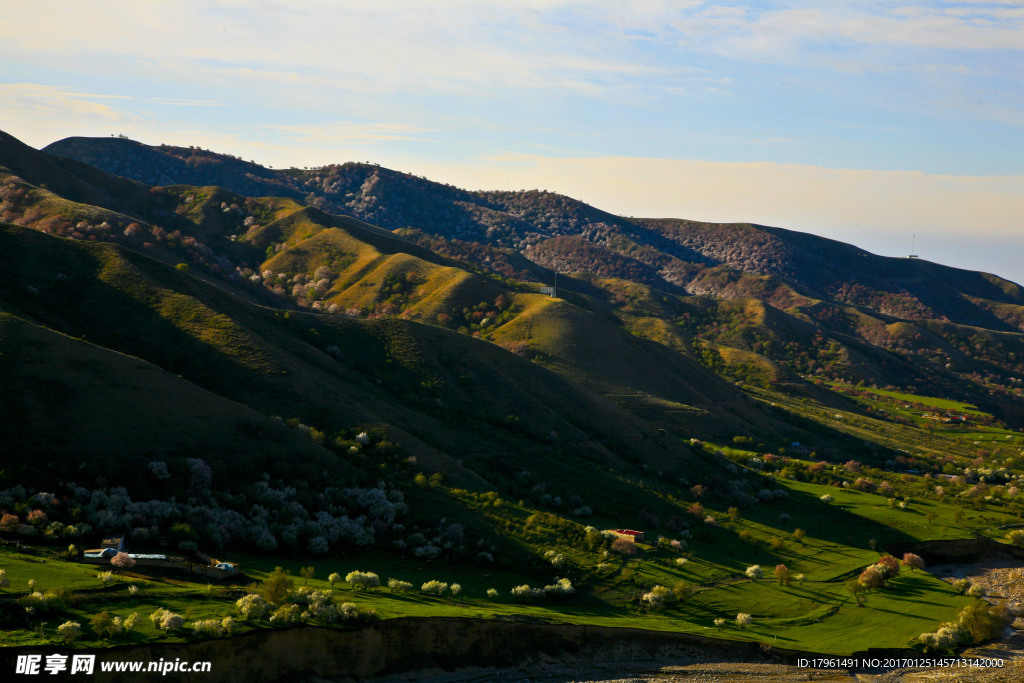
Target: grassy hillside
257	377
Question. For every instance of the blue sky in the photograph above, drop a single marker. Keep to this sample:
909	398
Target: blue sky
863	121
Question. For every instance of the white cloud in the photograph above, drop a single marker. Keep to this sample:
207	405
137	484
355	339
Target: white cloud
33	101
349	132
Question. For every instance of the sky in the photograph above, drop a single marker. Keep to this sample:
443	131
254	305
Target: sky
883	124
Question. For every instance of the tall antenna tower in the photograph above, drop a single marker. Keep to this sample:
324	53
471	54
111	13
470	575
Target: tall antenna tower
913	246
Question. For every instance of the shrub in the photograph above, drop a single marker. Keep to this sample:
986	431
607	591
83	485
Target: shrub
524	592
362	580
560	587
105	577
102	625
720	622
799	535
976	591
492	593
1016	537
557	559
983	621
827	498
209	627
52	599
286	614
624	546
455	589
962	585
947	637
683	591
69	631
777	543
754	572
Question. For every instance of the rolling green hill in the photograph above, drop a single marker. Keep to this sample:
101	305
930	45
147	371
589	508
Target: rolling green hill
357	367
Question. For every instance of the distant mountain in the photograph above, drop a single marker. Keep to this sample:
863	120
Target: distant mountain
352	326
241	326
900	322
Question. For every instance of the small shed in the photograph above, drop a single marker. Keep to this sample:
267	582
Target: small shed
115	542
629	534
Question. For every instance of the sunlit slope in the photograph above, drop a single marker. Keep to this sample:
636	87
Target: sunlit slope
445	395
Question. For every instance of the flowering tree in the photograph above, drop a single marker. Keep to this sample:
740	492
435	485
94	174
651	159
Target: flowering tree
782	574
131	622
399	586
755	572
561	587
286	614
912	561
743	619
122	561
10	522
657	598
525	592
166	620
889	566
69	631
252	606
37	518
871	577
434	587
362	580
